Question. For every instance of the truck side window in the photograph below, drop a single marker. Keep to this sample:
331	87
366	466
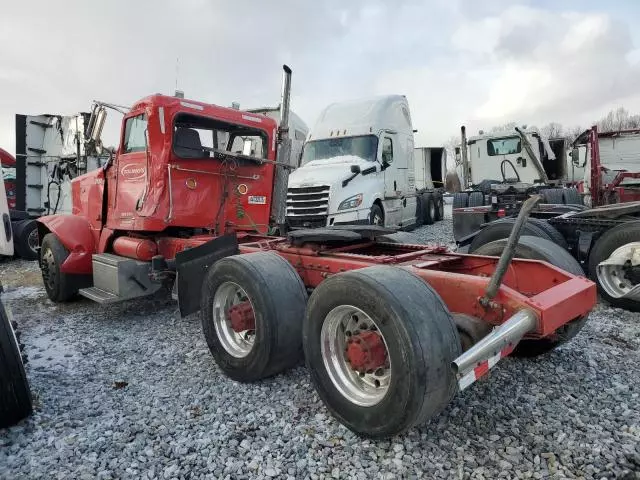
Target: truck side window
387	150
134	134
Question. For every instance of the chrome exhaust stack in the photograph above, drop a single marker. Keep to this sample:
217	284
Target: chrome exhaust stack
285	102
283	158
506	335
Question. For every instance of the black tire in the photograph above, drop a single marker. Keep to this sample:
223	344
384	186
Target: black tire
419	211
500	229
376	215
25	239
460	200
439	207
536	248
551	232
421	342
429	208
476	199
608	242
553	195
15	396
278	297
571	196
60	287
400	237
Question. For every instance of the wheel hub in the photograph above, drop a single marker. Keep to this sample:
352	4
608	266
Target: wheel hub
366	351
355	355
241	317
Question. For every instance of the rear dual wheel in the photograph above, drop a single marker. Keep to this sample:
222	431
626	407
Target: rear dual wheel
252	308
379	343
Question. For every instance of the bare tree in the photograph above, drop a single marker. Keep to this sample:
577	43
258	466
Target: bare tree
505	127
450	147
552	130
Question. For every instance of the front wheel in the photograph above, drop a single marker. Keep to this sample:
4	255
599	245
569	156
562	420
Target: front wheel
376	216
379	343
58	285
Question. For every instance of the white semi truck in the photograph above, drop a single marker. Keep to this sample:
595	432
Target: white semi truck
360	166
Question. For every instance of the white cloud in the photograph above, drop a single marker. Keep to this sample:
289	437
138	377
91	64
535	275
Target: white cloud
458	61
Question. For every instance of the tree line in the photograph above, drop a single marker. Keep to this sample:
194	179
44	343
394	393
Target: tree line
617	119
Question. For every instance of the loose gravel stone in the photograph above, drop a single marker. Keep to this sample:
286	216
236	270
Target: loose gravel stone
574	413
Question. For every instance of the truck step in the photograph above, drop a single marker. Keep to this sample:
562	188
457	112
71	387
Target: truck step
37	150
37	164
98	295
35	185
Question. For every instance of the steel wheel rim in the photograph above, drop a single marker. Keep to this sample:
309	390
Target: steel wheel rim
48	265
612	272
364	390
32	240
237	344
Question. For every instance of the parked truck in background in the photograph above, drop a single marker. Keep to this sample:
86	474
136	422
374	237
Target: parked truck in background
605	239
51	150
359	167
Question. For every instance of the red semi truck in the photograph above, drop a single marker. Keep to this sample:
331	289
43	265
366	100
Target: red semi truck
390	332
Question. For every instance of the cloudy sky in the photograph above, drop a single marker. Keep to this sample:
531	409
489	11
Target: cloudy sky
458	61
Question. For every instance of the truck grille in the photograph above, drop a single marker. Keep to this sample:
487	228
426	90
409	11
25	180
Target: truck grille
312	203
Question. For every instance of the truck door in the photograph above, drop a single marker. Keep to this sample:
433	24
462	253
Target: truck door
394	183
127	177
392	174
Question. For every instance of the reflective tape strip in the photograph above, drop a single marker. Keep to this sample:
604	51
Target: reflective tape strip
482	368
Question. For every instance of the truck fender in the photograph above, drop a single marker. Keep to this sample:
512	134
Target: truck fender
75	234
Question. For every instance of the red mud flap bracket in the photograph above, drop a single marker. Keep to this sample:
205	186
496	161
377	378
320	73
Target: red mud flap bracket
485	354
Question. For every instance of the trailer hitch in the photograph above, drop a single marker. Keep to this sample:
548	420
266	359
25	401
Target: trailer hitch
509	251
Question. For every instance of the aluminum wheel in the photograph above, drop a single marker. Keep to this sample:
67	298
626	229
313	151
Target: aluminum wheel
237	341
619	275
432	209
355	355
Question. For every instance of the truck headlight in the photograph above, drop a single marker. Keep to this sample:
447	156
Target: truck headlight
351	202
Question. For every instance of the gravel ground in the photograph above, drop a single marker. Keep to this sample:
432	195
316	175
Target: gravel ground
131	391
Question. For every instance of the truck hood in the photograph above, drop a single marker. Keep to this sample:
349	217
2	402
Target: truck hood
327	171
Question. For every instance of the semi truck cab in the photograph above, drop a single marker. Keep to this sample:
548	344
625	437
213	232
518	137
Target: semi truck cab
357	167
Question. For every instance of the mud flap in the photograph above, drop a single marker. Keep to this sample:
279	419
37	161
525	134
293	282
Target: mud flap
192	266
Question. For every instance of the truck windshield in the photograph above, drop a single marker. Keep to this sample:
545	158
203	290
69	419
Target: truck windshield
199	137
364	147
504	146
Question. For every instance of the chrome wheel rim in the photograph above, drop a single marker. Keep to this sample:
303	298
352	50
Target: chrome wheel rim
361	388
432	210
237	344
377	220
615	274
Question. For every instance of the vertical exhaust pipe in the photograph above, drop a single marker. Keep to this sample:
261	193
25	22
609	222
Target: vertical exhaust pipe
465	160
285	102
283	158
